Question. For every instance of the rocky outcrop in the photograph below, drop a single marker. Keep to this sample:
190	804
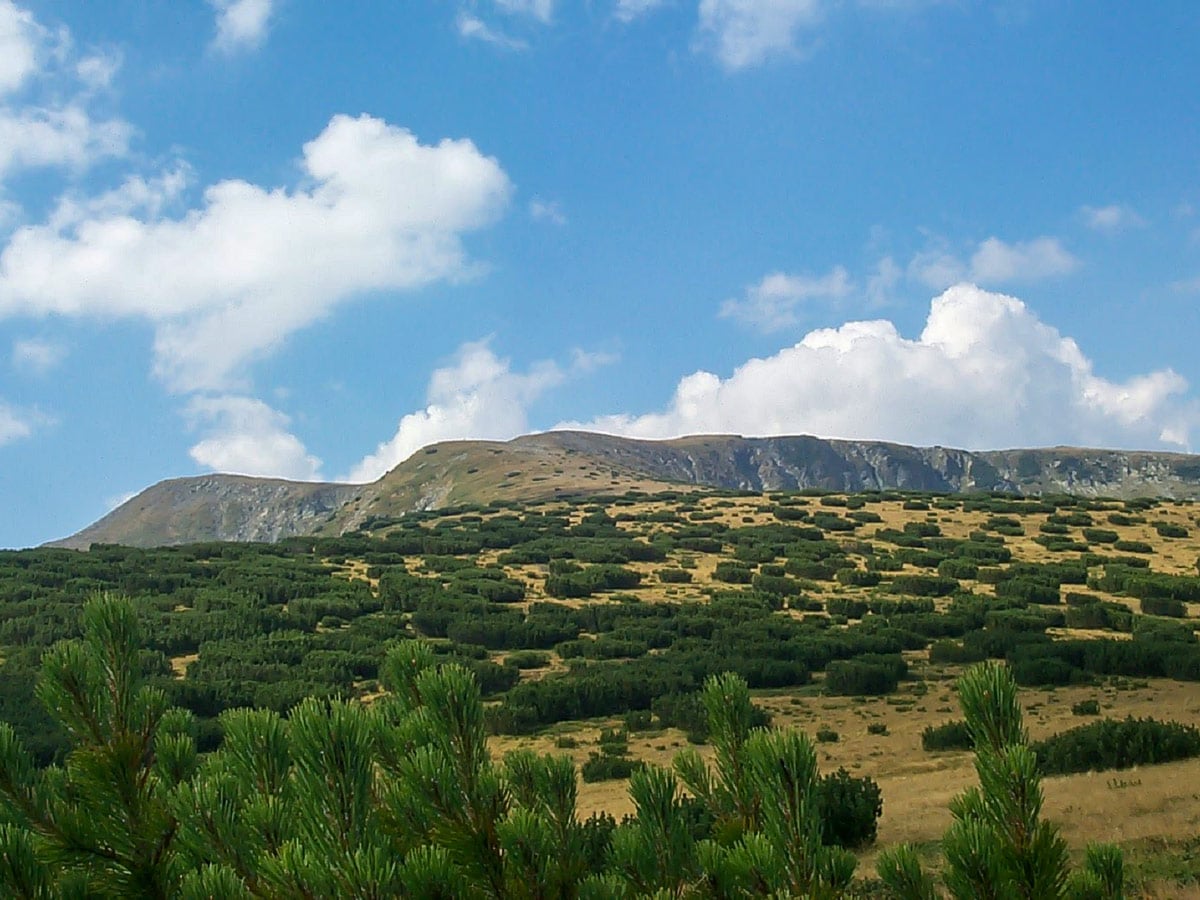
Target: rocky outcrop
566	463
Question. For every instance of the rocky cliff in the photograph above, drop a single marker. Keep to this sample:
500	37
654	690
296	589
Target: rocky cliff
566	463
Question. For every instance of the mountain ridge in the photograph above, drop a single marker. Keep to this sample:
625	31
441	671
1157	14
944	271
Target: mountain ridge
557	464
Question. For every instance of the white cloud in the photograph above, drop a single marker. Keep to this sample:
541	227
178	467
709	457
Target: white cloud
52	125
230	279
17	424
984	373
771	304
1111	219
542	10
20	36
747	32
994	262
66	136
883	281
35	356
473	28
98	70
628	10
547	211
241	24
478	397
247	437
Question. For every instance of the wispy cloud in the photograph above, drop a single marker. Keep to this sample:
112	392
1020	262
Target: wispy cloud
1110	219
628	10
36	356
473	28
773	303
241	24
994	262
549	211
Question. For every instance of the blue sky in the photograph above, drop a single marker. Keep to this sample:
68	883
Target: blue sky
303	239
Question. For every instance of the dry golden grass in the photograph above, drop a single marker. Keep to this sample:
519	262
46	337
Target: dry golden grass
1141	807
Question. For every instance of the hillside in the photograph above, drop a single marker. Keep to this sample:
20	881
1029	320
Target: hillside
573	464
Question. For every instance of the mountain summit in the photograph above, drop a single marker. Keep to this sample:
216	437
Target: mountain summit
573	464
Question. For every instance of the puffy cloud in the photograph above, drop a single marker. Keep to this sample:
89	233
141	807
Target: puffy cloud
241	24
994	262
478	396
35	356
19	39
474	28
771	304
547	211
230	279
628	10
746	32
247	437
1111	219
984	373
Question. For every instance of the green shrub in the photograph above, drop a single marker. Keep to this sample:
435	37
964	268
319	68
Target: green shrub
1133	547
866	675
1100	536
923	585
1112	744
603	767
877	728
1170	530
953	735
1086	708
849	808
826	736
674	576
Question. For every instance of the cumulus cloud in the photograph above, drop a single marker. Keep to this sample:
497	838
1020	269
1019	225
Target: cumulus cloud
772	304
549	211
628	10
228	280
1110	219
994	262
984	373
36	356
744	33
245	436
475	29
477	397
241	24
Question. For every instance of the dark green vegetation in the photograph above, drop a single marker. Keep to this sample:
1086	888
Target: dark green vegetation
802	591
400	798
561	612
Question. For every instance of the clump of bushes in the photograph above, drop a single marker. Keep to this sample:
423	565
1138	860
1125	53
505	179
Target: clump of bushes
952	735
1114	744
